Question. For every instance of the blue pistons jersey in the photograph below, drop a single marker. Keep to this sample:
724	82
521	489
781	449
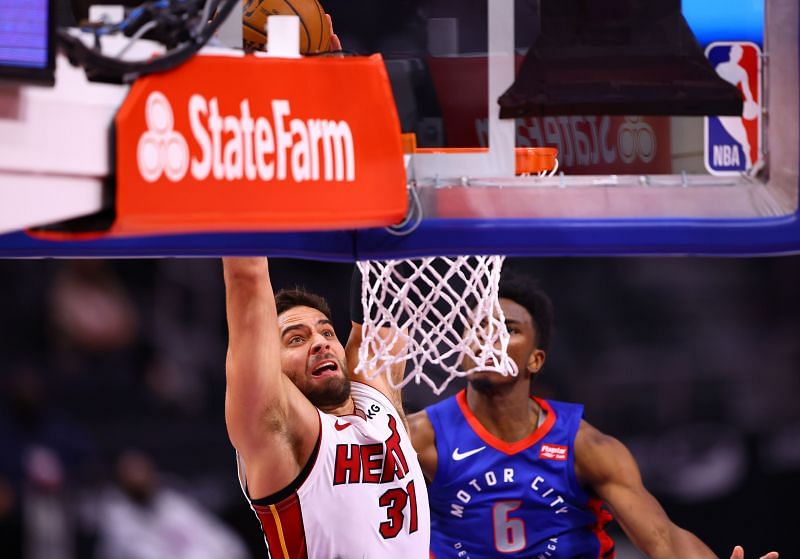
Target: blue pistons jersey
490	499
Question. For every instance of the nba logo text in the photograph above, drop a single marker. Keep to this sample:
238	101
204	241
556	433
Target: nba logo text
733	143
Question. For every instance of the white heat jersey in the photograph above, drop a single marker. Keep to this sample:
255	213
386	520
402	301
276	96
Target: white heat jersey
361	496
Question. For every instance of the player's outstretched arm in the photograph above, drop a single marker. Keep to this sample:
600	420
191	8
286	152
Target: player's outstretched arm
354	341
607	468
423	438
270	423
379	382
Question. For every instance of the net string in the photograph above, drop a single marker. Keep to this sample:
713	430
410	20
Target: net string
435	311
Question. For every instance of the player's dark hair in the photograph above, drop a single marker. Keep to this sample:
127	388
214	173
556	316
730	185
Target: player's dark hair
286	299
527	293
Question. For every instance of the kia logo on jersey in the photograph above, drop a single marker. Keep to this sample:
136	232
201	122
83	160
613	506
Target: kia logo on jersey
733	143
553	452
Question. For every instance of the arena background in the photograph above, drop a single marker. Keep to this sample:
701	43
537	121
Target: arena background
691	362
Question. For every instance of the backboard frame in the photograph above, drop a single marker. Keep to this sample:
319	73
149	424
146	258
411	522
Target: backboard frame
763	219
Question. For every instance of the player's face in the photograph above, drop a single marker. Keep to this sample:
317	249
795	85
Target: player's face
312	356
521	349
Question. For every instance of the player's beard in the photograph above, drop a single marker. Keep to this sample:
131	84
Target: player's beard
480	381
490	384
332	392
482	385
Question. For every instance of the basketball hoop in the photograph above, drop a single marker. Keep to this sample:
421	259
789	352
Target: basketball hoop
438	312
533	161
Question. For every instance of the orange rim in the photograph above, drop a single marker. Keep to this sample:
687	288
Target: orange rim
529	161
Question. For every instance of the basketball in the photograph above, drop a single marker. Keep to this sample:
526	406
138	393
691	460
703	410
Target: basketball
315	31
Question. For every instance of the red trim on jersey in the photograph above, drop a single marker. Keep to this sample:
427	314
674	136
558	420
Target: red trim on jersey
283	528
607	550
499	444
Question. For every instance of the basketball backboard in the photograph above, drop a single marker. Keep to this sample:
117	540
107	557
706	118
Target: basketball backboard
636	96
676	125
624	90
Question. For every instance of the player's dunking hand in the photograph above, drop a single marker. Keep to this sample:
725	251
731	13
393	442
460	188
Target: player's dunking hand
336	44
738	553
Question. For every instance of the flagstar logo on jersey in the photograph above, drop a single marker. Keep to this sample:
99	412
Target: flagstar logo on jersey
220	144
257	148
553	452
733	144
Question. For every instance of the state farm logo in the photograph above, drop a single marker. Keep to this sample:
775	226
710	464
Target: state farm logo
636	139
161	150
553	452
243	147
598	143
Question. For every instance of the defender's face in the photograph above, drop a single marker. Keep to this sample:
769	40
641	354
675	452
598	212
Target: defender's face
521	348
312	356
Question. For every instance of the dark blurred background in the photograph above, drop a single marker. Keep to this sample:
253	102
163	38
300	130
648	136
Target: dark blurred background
112	435
112	374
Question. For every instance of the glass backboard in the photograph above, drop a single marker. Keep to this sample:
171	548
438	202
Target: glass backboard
659	109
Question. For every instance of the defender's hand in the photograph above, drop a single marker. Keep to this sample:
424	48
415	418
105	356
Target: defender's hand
738	553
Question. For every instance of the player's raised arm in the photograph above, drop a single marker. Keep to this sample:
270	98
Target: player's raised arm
380	382
269	422
327	467
605	465
423	437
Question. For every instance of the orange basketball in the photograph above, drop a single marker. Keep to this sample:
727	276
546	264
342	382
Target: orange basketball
315	32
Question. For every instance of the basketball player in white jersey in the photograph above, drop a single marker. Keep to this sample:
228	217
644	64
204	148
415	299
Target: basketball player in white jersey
327	465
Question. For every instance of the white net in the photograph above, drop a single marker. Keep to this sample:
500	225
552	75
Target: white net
432	314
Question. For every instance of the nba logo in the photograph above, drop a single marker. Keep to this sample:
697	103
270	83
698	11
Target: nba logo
733	143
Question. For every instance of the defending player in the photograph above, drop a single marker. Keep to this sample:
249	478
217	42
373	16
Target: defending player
520	477
327	465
